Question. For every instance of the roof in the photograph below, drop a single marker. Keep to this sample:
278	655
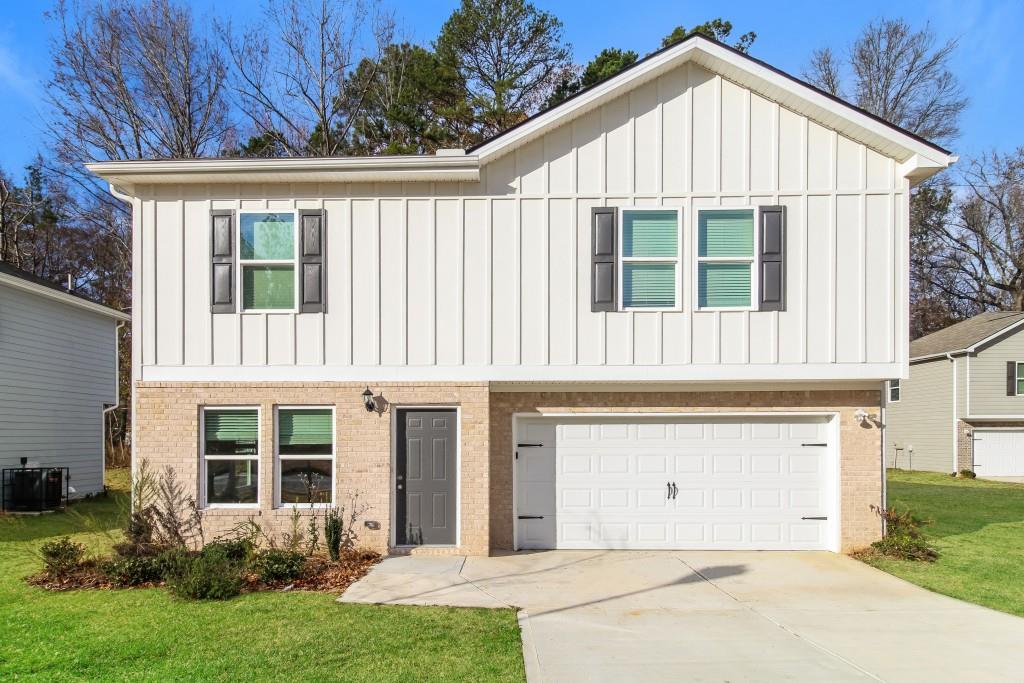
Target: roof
966	335
9	275
918	158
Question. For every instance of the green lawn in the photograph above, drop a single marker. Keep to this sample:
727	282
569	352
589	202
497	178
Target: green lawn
144	634
977	527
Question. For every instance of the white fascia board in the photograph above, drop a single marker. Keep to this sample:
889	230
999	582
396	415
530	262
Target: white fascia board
937	356
921	159
63	297
776	374
334	169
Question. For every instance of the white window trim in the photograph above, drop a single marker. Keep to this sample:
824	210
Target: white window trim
755	280
293	262
899	391
677	261
203	458
278	458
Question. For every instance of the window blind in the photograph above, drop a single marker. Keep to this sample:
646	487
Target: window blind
304	427
723	285
231	425
650	234
726	233
268	287
648	285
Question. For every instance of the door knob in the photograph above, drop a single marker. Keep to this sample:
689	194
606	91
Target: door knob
399	487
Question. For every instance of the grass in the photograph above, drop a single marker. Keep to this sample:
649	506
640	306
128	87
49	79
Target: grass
145	634
977	527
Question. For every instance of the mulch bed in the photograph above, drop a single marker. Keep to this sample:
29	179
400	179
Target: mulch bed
322	575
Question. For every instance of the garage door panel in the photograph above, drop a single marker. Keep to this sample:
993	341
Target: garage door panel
737	483
999	453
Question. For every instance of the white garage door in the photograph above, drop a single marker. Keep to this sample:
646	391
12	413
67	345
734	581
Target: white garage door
658	483
999	453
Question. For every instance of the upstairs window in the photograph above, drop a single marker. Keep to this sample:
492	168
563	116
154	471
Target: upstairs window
267	260
649	259
1020	379
230	455
725	259
305	456
894	391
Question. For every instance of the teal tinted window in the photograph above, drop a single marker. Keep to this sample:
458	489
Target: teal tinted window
268	287
726	233
723	285
267	236
648	285
650	233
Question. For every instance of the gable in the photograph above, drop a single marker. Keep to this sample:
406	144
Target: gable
918	157
689	131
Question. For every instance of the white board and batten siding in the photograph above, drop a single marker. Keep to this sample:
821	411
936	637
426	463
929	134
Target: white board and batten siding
490	280
58	370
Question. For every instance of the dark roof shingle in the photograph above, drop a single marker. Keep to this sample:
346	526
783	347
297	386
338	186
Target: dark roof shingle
964	334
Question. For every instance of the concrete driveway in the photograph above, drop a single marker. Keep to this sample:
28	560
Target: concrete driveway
714	616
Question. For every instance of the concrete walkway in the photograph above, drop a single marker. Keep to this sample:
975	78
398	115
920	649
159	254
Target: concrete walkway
713	616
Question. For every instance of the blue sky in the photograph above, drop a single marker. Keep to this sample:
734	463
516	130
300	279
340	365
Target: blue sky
991	52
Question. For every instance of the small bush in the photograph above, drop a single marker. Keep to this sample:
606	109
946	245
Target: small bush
967	474
133	571
62	556
903	539
332	533
274	566
209	575
237	550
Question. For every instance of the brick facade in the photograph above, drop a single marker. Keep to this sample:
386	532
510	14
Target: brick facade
167	433
860	446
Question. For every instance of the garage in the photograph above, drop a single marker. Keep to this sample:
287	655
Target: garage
657	482
999	452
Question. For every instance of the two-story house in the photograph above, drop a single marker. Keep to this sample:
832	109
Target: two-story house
657	315
962	405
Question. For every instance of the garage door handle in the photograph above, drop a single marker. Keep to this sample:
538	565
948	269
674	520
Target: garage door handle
814	444
820	519
531	516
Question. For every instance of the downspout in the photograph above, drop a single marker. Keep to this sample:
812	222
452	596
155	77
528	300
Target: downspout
885	487
953	361
119	194
117	394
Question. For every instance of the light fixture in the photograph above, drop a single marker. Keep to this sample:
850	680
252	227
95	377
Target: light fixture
864	417
371	405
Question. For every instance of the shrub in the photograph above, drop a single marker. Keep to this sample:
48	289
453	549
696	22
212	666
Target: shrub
133	571
237	550
208	575
332	533
903	539
967	474
273	565
62	556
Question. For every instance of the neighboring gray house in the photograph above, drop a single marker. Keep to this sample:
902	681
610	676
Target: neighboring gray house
58	371
963	405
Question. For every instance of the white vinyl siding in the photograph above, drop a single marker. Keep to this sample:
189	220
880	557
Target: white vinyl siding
491	280
988	377
649	257
919	427
58	370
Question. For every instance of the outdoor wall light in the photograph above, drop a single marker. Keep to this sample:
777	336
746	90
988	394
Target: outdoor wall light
374	404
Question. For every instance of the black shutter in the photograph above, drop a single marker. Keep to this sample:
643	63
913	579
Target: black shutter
772	224
603	253
1011	378
222	261
313	277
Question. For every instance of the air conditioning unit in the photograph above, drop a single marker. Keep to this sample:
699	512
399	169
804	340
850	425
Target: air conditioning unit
35	489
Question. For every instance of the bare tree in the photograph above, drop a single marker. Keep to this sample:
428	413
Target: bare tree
133	80
979	253
899	74
289	73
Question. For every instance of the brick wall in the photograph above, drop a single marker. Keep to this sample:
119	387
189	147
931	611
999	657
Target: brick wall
860	446
964	446
167	433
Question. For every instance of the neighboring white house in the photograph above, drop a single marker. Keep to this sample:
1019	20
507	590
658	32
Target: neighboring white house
655	316
962	407
58	371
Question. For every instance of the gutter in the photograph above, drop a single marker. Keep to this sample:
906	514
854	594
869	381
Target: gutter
949	356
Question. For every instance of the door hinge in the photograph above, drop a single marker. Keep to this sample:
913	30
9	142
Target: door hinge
820	519
814	444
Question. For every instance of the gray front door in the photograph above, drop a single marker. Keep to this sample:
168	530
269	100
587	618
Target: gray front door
425	477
